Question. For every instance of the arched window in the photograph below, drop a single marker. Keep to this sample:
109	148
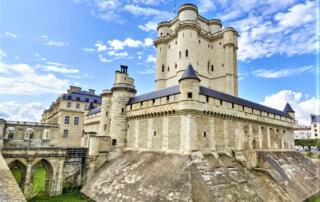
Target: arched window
162	68
204	134
11	131
29	134
187	53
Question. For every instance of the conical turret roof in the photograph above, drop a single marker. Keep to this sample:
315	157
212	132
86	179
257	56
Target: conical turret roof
288	108
189	73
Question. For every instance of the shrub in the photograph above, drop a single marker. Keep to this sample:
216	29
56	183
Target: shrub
309	154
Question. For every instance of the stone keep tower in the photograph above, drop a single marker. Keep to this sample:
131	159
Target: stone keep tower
123	89
190	38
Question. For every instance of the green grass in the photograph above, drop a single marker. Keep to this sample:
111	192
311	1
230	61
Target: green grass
16	172
66	197
39	181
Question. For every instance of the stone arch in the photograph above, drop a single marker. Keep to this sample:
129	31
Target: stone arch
48	174
18	166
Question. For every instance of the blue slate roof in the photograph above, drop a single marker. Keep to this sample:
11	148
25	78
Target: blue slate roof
207	92
236	100
82	96
155	94
288	108
189	73
315	118
94	111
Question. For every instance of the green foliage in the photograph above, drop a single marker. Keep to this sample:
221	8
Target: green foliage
39	180
307	142
16	172
318	156
309	154
67	197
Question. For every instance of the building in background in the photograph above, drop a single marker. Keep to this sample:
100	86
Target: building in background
309	132
68	112
303	132
315	126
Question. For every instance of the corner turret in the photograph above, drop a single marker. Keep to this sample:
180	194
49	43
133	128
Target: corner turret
189	84
288	109
123	89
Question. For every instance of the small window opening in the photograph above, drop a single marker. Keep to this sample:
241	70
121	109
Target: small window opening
207	98
168	98
175	65
153	101
176	42
180	54
221	102
220	43
199	41
122	110
154	133
212	68
190	95
204	134
169	46
114	142
161	34
162	68
222	65
168	68
187	53
141	104
232	106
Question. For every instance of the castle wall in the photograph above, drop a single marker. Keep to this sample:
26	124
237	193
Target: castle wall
206	132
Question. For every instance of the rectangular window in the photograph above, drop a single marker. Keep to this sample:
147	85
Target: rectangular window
168	98
65	133
76	120
114	142
105	127
77	106
69	104
207	98
190	95
66	120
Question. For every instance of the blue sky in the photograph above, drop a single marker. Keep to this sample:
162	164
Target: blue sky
48	45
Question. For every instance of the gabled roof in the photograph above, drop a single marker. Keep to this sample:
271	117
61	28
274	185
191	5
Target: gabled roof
288	108
189	73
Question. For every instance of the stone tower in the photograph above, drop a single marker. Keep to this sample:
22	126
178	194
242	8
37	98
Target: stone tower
123	89
190	38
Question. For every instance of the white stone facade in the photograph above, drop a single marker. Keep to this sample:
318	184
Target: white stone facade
190	38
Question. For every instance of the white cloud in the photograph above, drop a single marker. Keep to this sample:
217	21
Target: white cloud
149	2
2	54
53	43
11	34
206	5
149	26
88	50
57	43
59	68
151	58
264	33
23	79
147	71
107	4
116	44
297	15
100	46
118	54
104	59
303	107
11	110
146	11
148	42
279	73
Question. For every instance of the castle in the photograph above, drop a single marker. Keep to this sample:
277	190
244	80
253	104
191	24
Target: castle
191	139
193	134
